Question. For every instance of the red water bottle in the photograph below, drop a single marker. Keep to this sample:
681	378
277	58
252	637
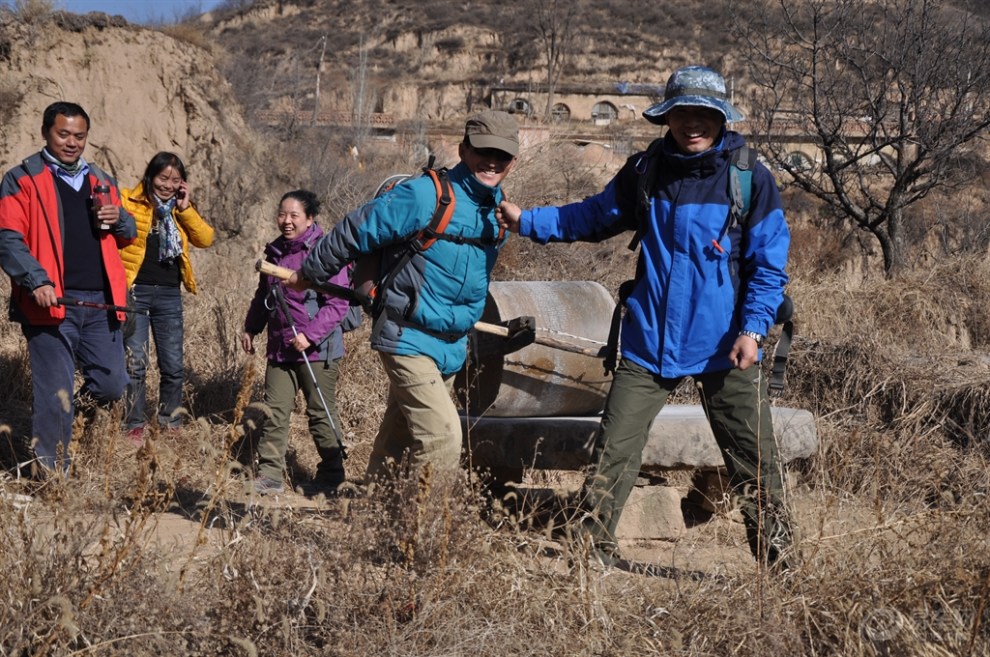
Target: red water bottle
101	197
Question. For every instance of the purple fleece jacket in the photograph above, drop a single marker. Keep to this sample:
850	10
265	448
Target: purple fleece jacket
315	314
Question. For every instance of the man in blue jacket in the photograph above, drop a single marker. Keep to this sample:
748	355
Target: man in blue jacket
705	295
429	306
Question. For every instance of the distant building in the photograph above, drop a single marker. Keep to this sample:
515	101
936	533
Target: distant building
598	104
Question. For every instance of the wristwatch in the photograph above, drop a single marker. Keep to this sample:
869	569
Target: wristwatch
756	336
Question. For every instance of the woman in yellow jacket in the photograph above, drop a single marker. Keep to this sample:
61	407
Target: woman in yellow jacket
157	263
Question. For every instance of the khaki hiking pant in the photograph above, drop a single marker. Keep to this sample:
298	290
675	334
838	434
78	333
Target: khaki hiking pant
421	424
738	410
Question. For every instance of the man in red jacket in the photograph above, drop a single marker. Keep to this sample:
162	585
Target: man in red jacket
58	245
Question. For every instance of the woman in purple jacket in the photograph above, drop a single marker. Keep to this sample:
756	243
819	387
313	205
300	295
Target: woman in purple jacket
317	337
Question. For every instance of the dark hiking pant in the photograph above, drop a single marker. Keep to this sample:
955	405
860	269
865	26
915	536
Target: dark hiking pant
282	383
88	338
736	404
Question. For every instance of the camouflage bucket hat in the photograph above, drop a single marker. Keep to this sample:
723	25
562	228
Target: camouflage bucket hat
493	129
697	86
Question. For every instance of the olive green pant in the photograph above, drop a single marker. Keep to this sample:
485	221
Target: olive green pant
421	424
282	382
736	404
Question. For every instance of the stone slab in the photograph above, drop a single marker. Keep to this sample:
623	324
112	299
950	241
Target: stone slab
680	438
651	512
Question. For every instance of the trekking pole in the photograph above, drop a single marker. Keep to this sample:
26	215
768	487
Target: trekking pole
62	301
280	298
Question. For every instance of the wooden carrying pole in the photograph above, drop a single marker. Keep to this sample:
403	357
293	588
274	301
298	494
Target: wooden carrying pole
283	273
541	338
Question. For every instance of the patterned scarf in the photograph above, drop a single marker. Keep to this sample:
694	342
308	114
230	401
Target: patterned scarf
71	169
73	175
169	241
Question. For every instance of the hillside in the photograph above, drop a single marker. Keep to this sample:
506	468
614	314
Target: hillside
435	61
144	91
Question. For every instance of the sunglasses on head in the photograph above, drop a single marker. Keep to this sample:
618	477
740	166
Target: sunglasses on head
493	154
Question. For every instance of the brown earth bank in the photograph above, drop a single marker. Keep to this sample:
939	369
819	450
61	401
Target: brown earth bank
161	550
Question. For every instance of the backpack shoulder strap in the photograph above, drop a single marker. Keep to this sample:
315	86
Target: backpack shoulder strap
741	183
441	214
741	195
436	230
647	168
785	317
610	353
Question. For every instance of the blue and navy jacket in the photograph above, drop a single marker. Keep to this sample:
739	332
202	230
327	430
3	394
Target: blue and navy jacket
432	303
701	278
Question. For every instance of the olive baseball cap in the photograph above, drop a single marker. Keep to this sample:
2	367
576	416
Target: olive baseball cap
493	129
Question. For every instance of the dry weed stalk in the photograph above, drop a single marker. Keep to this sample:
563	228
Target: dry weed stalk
147	500
222	464
424	485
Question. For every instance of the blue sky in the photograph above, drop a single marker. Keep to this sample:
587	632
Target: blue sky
140	11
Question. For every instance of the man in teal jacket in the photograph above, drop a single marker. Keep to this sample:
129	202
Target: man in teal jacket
430	305
706	292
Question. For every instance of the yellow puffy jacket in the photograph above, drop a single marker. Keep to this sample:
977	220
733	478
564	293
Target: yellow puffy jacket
192	228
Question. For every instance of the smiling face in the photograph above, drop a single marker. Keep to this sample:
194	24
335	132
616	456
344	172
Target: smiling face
66	139
292	219
166	183
694	128
489	166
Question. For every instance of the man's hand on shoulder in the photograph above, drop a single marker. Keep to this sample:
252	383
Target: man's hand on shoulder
507	214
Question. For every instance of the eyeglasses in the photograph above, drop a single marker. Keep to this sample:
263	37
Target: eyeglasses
493	154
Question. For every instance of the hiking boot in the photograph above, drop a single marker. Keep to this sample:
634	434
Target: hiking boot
771	542
331	465
264	485
327	486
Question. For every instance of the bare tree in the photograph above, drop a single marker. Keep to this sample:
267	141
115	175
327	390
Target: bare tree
556	26
319	73
894	93
363	97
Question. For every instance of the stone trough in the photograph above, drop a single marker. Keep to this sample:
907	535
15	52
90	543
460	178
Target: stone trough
539	408
680	439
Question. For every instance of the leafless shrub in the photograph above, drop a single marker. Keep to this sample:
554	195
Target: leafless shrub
883	147
33	11
79	22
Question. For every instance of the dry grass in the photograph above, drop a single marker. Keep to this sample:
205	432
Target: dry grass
163	551
189	33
